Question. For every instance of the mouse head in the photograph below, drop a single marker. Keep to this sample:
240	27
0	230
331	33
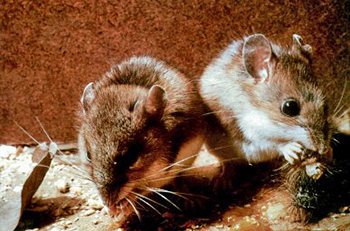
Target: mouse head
285	90
124	143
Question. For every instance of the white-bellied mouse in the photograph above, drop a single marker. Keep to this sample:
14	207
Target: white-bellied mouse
263	102
141	124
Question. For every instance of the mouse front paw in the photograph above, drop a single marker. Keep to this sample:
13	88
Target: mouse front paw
291	151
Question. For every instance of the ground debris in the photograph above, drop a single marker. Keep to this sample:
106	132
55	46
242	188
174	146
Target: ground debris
21	195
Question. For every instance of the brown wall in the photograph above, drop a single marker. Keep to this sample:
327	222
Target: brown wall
49	50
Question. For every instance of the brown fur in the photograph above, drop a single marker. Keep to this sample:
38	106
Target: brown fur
128	147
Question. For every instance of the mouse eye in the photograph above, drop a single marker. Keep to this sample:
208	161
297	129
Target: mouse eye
290	107
133	154
136	165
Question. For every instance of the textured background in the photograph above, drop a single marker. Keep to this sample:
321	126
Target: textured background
49	49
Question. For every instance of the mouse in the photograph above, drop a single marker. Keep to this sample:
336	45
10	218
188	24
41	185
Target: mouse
263	103
140	127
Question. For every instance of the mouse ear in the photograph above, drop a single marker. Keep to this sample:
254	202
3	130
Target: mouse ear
88	96
156	102
300	47
257	56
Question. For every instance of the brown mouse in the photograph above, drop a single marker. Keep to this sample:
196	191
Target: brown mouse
141	124
264	102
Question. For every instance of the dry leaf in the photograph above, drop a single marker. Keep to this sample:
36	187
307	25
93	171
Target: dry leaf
11	212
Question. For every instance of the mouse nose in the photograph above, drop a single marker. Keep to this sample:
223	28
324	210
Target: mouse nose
315	143
113	209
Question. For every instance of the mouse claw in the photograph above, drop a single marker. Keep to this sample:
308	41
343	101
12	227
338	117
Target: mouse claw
291	151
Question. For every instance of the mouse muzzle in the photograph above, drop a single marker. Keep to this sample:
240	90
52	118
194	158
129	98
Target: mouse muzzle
119	210
113	210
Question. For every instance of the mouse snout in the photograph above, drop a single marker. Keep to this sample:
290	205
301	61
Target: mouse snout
117	210
113	209
120	210
316	142
310	145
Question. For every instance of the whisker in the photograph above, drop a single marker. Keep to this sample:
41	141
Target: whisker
209	113
72	165
169	166
30	136
335	140
180	161
80	172
80	175
70	172
133	206
140	196
214	112
221	147
341	98
188	168
42	127
345	113
180	194
47	135
183	170
140	204
345	120
84	175
328	84
173	193
144	201
233	116
339	110
67	161
164	197
179	170
170	177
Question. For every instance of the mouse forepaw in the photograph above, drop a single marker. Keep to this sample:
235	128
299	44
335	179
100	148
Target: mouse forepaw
291	151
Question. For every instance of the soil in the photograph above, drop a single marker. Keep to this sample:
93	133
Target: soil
66	200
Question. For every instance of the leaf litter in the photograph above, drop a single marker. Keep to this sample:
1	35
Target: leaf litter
18	200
